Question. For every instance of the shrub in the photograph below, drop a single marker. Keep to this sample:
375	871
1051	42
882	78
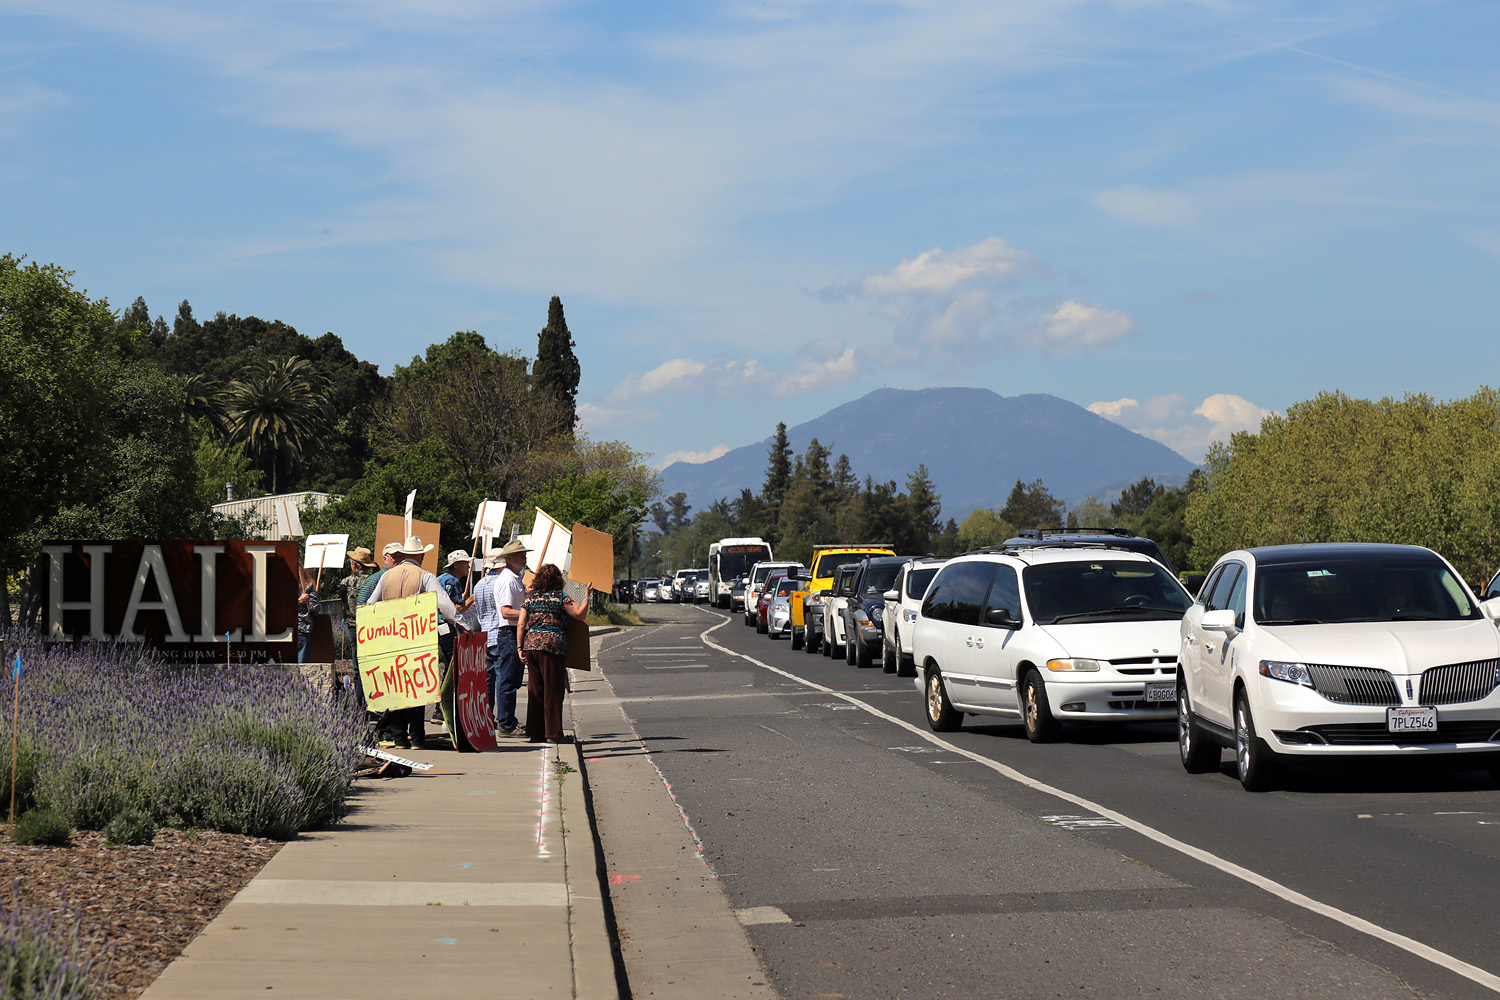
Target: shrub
131	828
46	956
44	827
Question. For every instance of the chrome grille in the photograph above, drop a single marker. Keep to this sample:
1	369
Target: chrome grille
1354	685
1458	682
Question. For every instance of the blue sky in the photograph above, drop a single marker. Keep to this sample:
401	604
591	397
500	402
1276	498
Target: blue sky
1184	215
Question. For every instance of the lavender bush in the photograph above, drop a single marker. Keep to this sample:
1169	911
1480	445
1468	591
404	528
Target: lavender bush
243	749
47	956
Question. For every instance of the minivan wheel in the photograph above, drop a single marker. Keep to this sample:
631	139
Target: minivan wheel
942	717
1041	725
1256	769
1198	755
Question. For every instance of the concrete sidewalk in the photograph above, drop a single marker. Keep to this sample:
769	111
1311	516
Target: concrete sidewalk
480	883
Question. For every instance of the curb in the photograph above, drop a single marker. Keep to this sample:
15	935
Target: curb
594	973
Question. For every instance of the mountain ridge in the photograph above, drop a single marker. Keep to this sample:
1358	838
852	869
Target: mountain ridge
974	442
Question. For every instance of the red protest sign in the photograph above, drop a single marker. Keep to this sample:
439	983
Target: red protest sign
474	714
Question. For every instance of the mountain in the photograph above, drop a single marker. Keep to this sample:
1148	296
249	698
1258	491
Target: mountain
975	443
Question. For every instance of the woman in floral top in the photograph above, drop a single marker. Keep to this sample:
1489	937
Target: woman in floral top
543	641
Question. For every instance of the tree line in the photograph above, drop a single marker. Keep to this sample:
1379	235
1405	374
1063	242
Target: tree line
123	426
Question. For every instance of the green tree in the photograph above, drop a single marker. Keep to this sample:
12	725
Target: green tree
557	370
981	528
778	471
277	410
923	504
1032	505
1134	500
1091	512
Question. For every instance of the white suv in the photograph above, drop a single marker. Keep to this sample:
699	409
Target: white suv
1337	650
903	602
1049	633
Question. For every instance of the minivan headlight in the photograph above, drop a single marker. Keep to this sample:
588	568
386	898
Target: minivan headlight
1292	673
1074	663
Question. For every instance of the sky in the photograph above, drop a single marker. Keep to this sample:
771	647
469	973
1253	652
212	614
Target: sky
1182	214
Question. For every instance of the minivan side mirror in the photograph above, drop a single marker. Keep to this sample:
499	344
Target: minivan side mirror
1001	618
892	595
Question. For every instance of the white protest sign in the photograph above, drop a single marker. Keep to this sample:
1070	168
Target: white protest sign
380	754
288	519
488	518
549	543
324	551
411	501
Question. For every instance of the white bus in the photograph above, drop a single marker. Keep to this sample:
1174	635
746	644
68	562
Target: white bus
728	560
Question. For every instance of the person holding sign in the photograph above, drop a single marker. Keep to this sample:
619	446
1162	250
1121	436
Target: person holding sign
510	596
404	579
544	642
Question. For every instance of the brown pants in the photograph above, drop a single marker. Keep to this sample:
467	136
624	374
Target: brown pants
546	682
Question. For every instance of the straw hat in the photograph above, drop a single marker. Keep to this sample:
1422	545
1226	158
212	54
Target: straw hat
494	560
391	549
361	555
414	547
513	547
457	556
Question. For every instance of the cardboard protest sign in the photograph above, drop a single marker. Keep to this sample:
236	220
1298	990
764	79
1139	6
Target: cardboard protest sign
398	652
390	528
288	519
475	728
577	633
549	543
324	551
593	558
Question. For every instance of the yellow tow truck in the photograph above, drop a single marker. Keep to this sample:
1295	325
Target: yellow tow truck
807	605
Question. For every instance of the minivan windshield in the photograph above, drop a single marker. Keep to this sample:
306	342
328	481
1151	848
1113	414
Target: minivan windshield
1360	590
1103	590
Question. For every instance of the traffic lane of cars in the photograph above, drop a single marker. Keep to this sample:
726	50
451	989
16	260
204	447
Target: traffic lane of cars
903	872
1412	850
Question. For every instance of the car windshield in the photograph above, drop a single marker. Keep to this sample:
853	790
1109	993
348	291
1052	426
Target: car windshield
1360	590
785	585
879	579
1103	589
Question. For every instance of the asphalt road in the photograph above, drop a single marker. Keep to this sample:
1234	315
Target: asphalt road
869	857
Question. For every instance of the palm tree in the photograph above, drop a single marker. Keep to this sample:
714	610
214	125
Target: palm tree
276	409
205	400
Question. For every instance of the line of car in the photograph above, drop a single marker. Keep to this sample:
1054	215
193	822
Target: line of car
689	586
1287	654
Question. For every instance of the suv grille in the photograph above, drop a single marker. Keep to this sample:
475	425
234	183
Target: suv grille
1363	733
1458	682
1354	685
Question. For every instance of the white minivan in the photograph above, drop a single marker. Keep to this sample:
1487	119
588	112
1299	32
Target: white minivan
1047	634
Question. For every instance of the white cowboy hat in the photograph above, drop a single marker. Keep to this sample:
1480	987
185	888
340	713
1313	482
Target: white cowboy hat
414	547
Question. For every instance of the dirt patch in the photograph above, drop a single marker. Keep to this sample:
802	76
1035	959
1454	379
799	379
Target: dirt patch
151	900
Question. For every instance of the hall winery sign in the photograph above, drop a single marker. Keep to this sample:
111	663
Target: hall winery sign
208	601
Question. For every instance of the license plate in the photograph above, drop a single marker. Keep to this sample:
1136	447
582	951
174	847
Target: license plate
1411	720
1161	691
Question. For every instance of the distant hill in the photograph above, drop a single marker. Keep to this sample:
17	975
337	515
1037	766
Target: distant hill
975	443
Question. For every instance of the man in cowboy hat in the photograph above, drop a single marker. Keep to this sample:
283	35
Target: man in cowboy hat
510	595
488	613
404	579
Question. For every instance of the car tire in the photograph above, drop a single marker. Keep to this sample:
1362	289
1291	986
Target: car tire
796	637
814	644
888	659
1252	759
760	626
942	717
1495	774
906	663
1036	713
851	650
1198	754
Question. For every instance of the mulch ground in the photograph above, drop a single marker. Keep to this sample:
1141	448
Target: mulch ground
151	900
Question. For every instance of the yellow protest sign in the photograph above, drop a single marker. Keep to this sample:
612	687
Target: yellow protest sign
398	652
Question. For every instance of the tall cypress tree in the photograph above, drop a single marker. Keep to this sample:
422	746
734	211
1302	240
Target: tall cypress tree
557	370
779	472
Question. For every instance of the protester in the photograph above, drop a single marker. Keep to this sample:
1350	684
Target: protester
510	595
404	579
543	638
307	605
387	560
360	568
488	615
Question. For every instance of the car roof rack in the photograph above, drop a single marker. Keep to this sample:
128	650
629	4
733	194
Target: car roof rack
1043	532
1058	543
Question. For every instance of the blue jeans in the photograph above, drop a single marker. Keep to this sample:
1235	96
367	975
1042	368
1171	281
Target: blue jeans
503	665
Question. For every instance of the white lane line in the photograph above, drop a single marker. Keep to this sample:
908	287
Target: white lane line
1439	958
678	666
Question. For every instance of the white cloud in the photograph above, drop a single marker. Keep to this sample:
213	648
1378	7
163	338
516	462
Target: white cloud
693	457
1140	205
819	364
596	419
1076	327
1186	429
938	272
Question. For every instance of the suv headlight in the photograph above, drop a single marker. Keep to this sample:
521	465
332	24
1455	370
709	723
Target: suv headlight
1075	663
1292	673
